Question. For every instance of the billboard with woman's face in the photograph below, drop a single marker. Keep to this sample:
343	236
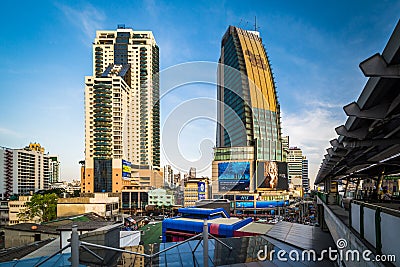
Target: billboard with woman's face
272	175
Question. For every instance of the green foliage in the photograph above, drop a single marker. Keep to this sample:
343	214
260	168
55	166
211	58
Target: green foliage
42	206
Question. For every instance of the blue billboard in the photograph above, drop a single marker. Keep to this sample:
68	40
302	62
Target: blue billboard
201	190
126	169
244	205
234	176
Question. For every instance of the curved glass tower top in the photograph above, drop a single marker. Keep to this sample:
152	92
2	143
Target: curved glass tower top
248	109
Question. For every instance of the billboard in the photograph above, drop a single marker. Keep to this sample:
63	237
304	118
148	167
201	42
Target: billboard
234	176
272	175
126	169
202	190
242	204
244	197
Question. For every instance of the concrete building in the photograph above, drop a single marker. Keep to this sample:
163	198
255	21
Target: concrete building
121	110
54	166
4	213
26	233
103	204
161	198
134	201
295	167
168	175
195	189
19	206
26	170
249	157
285	146
69	187
305	179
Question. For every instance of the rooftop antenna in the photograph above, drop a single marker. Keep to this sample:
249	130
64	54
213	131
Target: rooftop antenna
240	23
255	24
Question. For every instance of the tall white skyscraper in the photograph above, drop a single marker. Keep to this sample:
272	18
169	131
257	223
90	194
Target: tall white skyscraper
122	120
295	166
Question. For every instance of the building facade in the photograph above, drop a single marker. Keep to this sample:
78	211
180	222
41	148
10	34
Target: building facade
103	204
161	198
295	166
168	175
26	170
248	157
121	110
19	206
305	179
195	189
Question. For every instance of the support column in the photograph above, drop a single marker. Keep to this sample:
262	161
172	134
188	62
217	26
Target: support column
357	186
205	243
75	243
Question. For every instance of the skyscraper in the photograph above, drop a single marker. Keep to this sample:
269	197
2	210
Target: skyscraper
168	175
305	181
122	125
26	170
295	163
249	129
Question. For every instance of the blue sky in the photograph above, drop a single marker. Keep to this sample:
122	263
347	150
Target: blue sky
314	47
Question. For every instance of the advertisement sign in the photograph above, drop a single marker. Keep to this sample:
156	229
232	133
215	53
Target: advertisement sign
202	190
270	204
244	197
248	205
126	169
272	175
234	176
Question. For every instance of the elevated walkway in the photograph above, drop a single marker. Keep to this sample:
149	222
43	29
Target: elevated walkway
363	227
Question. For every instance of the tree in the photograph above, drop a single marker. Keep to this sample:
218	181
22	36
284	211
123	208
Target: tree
42	206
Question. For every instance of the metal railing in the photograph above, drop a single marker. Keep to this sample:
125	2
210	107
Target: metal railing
75	244
378	225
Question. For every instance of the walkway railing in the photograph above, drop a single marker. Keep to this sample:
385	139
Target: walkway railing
75	244
377	225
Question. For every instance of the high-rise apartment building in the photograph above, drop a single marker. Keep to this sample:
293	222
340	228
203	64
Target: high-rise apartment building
295	166
285	146
122	120
304	177
26	170
168	175
54	166
248	156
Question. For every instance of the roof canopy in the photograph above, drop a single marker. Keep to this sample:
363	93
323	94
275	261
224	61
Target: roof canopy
369	142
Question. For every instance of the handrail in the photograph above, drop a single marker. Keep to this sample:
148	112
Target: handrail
384	209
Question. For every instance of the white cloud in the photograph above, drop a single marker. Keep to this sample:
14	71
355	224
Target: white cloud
88	19
9	132
311	130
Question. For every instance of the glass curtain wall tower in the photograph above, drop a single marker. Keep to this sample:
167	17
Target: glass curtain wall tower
249	128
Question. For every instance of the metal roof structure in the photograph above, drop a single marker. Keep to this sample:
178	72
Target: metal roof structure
368	144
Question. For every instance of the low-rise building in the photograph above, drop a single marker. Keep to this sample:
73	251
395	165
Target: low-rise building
26	233
103	204
4	216
160	197
195	189
19	206
69	187
134	200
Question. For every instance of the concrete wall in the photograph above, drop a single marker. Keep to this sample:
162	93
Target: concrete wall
14	238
